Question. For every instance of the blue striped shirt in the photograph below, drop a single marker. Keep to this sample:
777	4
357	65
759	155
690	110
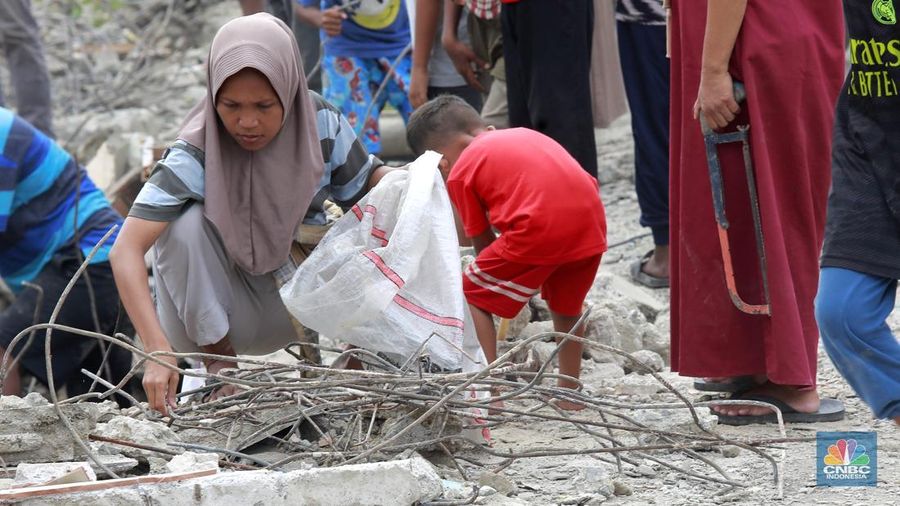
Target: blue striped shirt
48	204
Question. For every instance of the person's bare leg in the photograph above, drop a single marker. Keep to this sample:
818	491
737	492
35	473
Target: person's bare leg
215	366
569	356
897	420
658	263
12	383
487	337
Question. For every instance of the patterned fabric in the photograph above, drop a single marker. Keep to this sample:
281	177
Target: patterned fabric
373	28
350	83
645	12
178	178
47	203
484	9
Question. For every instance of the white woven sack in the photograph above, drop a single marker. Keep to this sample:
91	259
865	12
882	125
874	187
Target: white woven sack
387	275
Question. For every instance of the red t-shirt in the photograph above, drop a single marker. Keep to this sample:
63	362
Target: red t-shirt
546	207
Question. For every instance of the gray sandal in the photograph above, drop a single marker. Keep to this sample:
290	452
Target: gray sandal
642	278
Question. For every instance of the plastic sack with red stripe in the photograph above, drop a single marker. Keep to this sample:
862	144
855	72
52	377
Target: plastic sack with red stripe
387	276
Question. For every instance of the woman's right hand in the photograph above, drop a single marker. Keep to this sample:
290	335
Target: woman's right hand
161	384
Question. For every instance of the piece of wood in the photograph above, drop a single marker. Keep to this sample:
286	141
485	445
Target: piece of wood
26	493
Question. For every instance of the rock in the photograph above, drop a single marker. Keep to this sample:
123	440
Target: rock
607	371
31	431
456	490
137	431
645	470
647	303
97	127
157	465
730	451
656	339
596	500
594	478
544	351
615	153
621	488
190	461
486	491
117	155
37	474
637	385
535	328
518	324
499	482
577	499
116	463
617	324
648	358
673	420
540	311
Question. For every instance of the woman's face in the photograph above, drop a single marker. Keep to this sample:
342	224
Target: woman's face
250	109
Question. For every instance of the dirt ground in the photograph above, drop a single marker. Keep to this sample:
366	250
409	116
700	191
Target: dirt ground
552	480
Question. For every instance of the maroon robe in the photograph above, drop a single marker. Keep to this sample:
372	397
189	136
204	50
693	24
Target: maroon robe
790	56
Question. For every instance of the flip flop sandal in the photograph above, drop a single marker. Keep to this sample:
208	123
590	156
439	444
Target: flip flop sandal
639	276
830	410
731	386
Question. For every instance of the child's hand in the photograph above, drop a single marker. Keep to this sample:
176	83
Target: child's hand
331	21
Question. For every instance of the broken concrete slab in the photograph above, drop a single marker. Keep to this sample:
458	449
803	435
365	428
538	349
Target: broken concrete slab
39	474
635	384
116	463
31	431
383	483
136	431
674	420
190	461
647	303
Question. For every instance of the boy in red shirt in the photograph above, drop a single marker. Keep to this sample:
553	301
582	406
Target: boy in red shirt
545	206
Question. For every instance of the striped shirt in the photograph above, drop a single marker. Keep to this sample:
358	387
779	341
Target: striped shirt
484	9
645	12
48	204
179	177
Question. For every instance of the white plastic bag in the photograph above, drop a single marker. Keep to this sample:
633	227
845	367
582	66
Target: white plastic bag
387	275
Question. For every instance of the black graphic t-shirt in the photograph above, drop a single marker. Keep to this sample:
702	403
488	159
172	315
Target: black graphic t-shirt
863	226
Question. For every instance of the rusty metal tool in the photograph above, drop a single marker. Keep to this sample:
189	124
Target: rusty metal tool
713	140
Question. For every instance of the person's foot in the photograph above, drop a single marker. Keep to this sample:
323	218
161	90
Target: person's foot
804	401
658	263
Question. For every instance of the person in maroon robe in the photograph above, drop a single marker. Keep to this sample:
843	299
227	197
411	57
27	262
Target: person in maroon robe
790	57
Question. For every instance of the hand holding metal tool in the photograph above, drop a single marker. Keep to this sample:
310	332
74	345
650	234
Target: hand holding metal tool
713	139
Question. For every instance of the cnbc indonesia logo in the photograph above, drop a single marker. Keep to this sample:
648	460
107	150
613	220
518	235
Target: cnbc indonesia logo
846	460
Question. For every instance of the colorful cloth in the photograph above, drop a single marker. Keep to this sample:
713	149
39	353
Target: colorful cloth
47	203
644	12
177	179
373	28
547	209
484	9
790	120
350	83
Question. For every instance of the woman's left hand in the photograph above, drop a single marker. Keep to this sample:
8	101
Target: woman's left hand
715	99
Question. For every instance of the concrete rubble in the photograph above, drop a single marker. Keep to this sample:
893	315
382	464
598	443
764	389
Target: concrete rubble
30	429
137	431
384	483
37	474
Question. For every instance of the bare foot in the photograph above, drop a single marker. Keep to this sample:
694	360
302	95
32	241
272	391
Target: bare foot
804	401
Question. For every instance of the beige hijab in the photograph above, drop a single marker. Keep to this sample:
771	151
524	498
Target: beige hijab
255	200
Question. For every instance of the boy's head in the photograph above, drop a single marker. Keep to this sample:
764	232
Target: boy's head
447	125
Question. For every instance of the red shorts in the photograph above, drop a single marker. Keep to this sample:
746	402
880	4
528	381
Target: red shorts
502	287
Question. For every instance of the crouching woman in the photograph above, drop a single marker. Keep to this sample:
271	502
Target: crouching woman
255	159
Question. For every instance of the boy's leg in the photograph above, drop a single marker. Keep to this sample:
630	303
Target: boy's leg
565	290
346	85
851	308
484	329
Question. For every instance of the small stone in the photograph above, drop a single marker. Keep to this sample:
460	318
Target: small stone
517	325
634	384
730	451
499	482
540	311
157	465
535	328
607	370
190	461
138	431
543	351
486	491
621	488
645	470
596	500
648	358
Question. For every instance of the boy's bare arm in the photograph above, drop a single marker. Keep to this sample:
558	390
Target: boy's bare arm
481	241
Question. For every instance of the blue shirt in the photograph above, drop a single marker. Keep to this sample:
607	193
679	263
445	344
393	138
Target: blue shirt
373	28
47	203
